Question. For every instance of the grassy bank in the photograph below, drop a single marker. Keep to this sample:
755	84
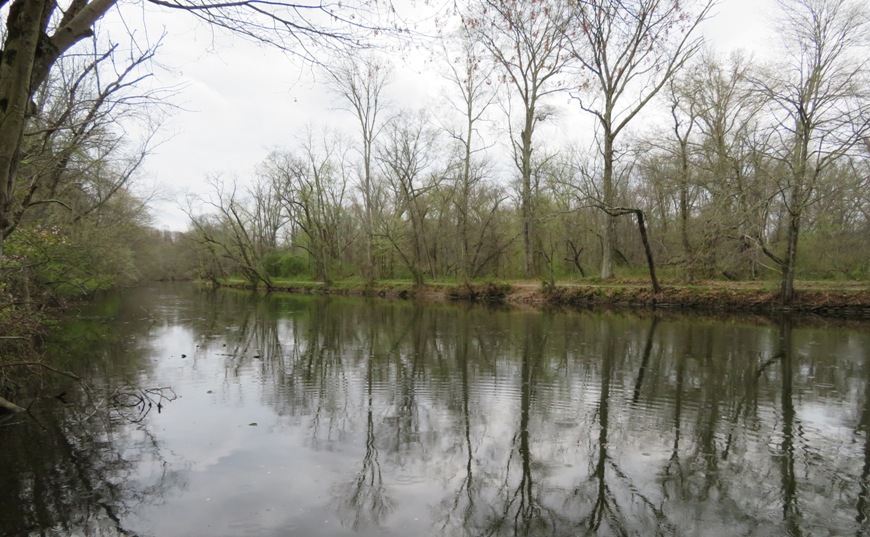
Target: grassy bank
838	299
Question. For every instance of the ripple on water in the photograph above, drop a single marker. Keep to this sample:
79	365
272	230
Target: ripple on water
408	479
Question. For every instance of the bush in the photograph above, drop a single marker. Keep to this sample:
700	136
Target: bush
286	265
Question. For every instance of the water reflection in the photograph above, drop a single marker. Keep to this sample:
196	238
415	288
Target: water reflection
317	416
365	500
71	467
863	429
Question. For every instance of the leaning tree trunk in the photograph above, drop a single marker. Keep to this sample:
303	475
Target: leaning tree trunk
24	25
641	226
644	238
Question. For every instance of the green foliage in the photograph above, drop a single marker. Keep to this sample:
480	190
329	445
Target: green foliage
829	253
61	264
286	265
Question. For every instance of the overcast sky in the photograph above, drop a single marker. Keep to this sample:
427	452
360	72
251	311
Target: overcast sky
239	100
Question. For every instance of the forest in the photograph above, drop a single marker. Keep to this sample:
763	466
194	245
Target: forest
689	164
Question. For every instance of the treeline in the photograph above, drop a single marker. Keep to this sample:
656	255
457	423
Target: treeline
737	168
677	159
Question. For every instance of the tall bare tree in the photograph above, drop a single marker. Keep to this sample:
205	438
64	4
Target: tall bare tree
360	83
407	158
821	104
528	42
629	49
471	77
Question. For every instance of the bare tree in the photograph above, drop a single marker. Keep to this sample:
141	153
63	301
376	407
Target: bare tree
629	49
707	167
312	189
820	96
471	77
79	149
241	228
360	83
407	158
91	127
528	42
728	170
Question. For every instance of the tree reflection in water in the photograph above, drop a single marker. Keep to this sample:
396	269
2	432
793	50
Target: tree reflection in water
464	499
365	500
863	504
790	509
466	421
76	467
521	511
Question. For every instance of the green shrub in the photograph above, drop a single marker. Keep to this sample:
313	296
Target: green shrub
286	265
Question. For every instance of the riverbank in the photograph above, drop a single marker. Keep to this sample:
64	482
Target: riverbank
829	299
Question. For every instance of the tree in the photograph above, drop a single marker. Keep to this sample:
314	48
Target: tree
407	158
241	228
74	211
528	42
629	50
683	113
312	189
820	99
360	83
39	32
729	163
470	76
76	156
489	224
707	170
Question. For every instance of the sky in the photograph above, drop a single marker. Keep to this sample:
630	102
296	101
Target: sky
238	100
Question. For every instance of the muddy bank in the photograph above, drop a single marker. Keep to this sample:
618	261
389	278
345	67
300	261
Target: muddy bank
829	303
824	299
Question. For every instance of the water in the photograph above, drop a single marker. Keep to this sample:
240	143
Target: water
325	417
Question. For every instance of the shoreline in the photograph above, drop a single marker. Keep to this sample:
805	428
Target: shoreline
826	299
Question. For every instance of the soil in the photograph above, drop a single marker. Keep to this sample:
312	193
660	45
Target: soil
829	299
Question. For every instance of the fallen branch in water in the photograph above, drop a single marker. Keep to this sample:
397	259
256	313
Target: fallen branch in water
8	408
134	403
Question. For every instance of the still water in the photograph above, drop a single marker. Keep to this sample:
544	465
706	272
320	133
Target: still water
309	416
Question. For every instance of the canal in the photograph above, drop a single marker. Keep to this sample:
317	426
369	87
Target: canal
236	414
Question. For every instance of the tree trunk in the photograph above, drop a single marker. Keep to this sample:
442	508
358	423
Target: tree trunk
369	271
609	235
641	226
466	193
788	266
528	213
684	212
24	25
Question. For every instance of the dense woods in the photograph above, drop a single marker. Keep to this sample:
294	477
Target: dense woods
678	158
